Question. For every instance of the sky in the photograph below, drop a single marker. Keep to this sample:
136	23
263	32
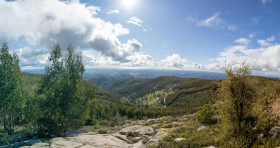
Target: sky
198	35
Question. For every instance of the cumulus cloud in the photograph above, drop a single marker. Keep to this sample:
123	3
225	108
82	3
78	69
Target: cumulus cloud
266	42
135	21
243	41
173	61
116	11
264	58
137	60
66	22
30	57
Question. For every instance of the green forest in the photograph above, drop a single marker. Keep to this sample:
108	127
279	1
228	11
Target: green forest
235	111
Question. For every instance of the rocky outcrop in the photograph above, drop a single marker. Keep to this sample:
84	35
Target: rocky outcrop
87	140
137	129
160	133
132	135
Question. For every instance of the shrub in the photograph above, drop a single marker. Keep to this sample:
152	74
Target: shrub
102	131
4	138
131	134
205	115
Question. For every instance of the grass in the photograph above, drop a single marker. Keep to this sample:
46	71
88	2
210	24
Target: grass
193	137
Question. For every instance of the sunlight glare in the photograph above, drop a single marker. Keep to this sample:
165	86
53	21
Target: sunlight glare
129	4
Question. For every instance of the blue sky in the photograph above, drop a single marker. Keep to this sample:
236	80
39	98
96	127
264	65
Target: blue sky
147	34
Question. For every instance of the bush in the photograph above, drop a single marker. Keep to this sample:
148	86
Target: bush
102	131
4	138
205	115
131	134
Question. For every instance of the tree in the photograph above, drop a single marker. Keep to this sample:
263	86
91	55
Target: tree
236	93
67	98
11	90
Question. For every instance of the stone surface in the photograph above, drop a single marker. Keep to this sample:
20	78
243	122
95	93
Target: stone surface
145	130
71	133
275	131
260	136
201	128
138	129
40	145
161	133
179	139
88	140
129	129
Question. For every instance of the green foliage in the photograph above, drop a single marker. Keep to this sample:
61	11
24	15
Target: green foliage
68	98
205	115
4	138
102	131
234	107
264	122
12	95
131	134
193	137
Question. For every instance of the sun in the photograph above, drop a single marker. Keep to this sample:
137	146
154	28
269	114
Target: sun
129	4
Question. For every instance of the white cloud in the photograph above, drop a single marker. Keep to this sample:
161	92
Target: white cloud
266	1
211	21
266	42
135	20
251	36
173	61
255	20
243	41
67	22
232	27
30	57
214	21
116	11
261	59
138	60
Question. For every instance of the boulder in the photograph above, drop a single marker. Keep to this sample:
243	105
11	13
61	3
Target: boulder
137	129
145	130
275	131
161	133
129	129
201	128
150	121
179	139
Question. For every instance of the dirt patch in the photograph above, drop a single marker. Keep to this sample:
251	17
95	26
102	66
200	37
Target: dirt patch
274	109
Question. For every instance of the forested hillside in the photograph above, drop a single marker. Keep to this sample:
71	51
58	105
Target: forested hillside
166	91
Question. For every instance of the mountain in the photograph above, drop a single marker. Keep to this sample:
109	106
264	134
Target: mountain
103	75
165	91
